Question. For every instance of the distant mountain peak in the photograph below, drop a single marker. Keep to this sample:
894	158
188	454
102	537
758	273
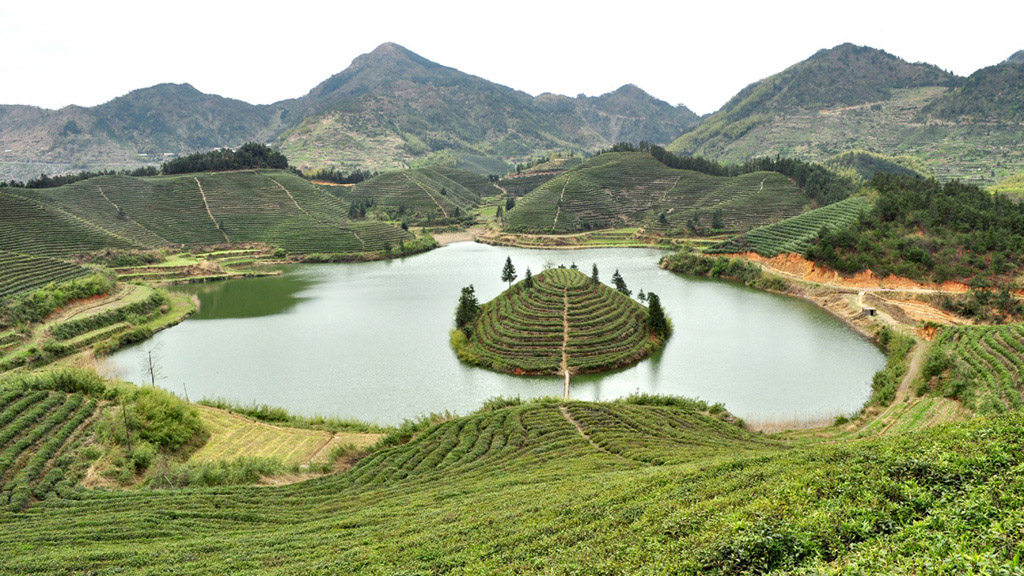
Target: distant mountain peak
390	55
1017	58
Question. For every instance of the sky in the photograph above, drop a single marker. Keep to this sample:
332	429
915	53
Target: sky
56	53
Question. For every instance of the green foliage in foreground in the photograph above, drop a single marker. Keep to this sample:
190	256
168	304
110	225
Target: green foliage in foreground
48	418
519	490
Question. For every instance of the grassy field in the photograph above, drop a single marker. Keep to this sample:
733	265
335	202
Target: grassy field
232	435
794	234
621	189
564	322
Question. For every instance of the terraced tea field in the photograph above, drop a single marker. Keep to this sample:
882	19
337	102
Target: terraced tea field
794	235
121	212
38	432
548	487
564	322
30	226
21	272
983	365
615	190
422	195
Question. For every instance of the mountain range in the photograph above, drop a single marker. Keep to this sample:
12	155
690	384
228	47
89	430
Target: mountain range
388	108
392	108
854	97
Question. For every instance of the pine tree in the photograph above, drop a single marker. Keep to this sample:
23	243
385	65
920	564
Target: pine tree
641	296
508	273
656	315
620	284
528	279
593	275
468	310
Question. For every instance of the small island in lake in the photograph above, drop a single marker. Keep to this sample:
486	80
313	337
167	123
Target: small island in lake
560	321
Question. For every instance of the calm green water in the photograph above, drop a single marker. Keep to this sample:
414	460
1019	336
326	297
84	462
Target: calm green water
370	341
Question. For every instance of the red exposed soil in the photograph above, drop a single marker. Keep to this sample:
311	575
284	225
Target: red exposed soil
804	269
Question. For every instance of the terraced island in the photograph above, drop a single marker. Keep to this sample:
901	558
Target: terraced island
560	322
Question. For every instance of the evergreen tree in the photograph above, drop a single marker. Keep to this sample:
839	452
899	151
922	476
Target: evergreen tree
716	220
641	296
468	309
620	284
593	275
528	279
573	266
656	315
508	273
498	213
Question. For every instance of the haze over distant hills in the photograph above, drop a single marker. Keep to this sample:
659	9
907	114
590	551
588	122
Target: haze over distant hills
852	97
389	107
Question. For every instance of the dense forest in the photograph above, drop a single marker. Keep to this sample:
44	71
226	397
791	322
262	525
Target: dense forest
248	156
44	181
929	231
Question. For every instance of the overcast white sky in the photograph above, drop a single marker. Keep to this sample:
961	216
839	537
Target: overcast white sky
55	53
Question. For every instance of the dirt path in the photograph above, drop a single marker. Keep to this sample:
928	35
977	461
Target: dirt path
564	365
122	214
427	192
664	195
294	201
207	204
467	235
69	312
579	428
903	392
327	442
558	210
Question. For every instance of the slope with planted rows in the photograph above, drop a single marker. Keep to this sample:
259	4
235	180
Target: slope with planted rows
633	188
563	322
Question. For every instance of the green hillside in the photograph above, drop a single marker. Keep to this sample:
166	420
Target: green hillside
21	272
32	226
393	107
423	195
644	486
274	207
993	95
632	188
795	235
865	164
855	98
562	322
980	366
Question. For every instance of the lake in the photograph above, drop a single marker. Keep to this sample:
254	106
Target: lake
370	341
